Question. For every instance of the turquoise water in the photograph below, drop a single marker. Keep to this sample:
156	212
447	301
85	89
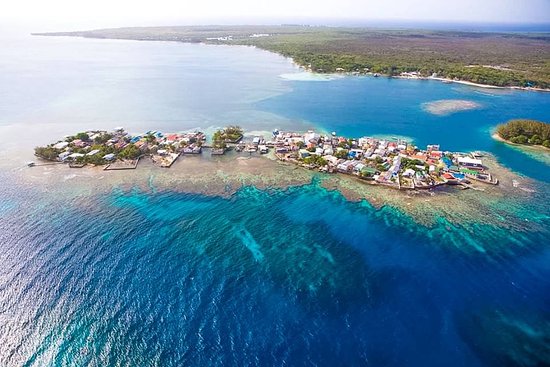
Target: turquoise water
265	277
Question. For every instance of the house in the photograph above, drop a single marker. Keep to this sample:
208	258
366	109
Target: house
63	156
61	145
437	154
75	155
421	157
79	143
331	159
470	162
93	152
409	172
303	153
109	157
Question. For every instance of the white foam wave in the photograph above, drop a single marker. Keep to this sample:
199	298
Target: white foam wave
310	77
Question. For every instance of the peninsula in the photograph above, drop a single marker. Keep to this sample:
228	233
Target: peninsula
517	60
392	162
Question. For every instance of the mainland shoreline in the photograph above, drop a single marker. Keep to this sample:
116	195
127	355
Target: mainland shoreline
301	66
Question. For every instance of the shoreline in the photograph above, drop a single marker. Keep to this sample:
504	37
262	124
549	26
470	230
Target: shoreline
537	152
540	148
215	177
442	80
304	67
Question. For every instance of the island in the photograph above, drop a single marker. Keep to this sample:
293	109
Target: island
525	132
518	60
394	162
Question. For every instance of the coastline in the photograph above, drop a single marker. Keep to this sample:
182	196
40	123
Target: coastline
472	84
303	67
538	152
215	177
442	80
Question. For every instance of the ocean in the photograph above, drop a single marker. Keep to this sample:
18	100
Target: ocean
99	273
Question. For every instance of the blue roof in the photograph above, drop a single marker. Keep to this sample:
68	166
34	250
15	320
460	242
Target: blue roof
447	161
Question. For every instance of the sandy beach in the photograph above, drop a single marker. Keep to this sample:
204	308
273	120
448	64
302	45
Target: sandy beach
537	152
472	84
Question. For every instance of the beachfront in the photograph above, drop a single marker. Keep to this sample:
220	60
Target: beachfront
393	162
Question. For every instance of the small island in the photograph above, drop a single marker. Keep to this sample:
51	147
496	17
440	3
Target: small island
525	132
392	162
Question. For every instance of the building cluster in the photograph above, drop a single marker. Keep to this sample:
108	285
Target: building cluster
100	147
392	162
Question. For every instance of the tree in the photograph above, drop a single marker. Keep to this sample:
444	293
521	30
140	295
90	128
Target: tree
129	152
49	153
524	131
83	136
341	153
535	140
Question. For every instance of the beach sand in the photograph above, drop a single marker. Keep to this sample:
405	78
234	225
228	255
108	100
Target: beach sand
538	152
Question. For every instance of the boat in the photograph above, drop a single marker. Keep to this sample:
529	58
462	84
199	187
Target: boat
30	164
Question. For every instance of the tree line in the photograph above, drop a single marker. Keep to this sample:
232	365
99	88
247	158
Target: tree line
523	131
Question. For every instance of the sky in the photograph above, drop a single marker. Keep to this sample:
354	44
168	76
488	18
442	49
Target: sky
112	13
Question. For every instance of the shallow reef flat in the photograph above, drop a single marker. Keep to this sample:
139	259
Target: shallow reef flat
462	218
446	107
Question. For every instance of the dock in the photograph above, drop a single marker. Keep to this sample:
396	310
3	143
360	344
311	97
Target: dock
122	165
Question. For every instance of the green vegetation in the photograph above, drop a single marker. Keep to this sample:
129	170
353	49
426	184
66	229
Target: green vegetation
49	152
411	163
315	160
341	153
83	136
129	152
489	58
103	138
218	140
231	134
525	132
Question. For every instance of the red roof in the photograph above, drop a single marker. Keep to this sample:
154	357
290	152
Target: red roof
172	137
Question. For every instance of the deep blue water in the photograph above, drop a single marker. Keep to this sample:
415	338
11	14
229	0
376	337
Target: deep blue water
263	278
299	277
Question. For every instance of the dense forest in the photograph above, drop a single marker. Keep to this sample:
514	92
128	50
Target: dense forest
500	59
525	132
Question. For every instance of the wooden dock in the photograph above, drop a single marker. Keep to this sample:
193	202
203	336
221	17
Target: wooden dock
117	166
